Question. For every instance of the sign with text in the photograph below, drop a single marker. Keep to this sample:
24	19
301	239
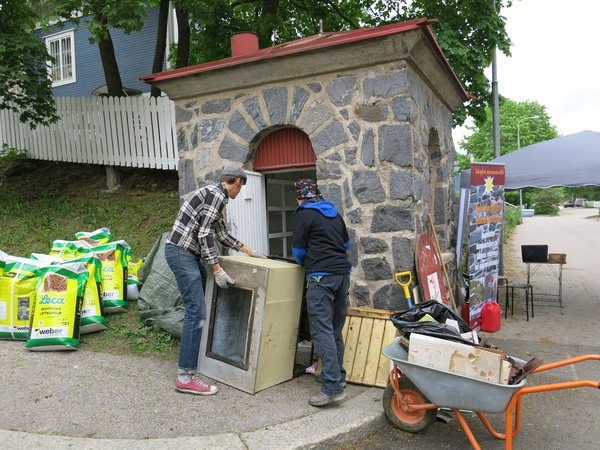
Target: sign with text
486	209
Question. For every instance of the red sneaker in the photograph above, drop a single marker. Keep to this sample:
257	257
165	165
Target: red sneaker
195	386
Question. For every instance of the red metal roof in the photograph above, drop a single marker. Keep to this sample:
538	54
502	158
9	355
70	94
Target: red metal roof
310	43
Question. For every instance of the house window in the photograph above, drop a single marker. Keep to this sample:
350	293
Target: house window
61	48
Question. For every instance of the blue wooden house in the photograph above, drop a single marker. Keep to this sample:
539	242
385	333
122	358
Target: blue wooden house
78	69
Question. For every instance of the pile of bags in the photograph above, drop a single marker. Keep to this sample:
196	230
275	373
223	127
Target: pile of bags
48	300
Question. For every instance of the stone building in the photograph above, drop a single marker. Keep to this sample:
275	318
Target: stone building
368	113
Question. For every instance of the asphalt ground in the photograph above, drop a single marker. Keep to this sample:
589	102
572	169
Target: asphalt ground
556	420
93	400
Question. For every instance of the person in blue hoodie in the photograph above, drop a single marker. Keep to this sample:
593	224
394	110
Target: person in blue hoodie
320	244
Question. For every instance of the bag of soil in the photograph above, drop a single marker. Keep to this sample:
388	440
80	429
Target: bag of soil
96	237
133	282
114	257
69	249
92	314
3	257
56	313
17	294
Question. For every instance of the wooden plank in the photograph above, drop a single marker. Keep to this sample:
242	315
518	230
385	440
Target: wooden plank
370	312
102	133
108	131
154	144
365	336
383	369
374	351
351	344
115	135
361	352
168	133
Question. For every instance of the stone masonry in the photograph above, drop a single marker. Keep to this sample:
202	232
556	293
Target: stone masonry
384	151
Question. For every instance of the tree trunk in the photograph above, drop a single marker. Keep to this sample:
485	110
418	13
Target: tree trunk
161	43
112	76
183	28
269	10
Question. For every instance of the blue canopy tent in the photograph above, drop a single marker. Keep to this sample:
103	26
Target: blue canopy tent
572	160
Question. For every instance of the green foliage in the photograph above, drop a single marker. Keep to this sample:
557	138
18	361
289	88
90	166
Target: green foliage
516	127
512	197
587	192
127	334
468	33
545	201
10	154
58	200
101	15
512	218
25	87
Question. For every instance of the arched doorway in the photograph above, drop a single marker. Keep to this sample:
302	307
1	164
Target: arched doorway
283	156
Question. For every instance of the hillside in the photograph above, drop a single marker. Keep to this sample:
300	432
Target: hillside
43	201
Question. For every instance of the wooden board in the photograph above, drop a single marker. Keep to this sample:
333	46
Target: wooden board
365	333
429	270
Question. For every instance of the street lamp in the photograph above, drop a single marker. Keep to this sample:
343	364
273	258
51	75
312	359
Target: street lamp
519	130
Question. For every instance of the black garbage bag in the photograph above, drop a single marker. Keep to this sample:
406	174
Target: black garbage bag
408	322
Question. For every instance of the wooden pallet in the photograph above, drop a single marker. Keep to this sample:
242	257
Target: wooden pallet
365	333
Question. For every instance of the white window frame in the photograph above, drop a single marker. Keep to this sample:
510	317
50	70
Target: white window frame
58	37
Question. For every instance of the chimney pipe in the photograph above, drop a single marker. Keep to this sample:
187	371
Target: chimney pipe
243	44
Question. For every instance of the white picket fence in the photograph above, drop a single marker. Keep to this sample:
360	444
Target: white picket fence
112	131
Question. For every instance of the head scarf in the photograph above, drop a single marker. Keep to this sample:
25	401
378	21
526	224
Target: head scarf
306	188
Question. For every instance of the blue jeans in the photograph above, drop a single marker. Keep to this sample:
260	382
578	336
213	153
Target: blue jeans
190	275
327	303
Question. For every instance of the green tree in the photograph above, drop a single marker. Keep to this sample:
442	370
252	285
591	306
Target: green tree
25	87
100	16
523	123
467	31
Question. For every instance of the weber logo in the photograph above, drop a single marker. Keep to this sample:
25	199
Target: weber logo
48	332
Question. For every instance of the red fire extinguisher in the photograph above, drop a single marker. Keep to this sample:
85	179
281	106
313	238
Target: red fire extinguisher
490	317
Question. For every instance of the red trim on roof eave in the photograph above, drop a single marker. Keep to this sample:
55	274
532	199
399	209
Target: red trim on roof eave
288	48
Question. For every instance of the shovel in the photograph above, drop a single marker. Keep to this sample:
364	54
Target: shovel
404	279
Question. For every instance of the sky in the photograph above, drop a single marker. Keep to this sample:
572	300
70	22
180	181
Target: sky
554	61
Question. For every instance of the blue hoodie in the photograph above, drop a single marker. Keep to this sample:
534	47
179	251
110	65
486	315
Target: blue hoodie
320	238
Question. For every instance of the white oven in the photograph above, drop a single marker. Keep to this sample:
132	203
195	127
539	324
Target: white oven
250	336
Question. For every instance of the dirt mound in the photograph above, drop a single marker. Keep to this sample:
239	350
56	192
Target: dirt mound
48	177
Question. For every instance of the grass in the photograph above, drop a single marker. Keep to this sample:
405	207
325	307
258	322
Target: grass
512	218
46	201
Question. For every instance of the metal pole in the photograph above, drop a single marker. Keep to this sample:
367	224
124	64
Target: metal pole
495	109
518	147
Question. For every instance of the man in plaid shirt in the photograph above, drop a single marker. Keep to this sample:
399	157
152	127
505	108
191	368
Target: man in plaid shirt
192	239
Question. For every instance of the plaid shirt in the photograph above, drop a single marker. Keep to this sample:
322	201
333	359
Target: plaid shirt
199	220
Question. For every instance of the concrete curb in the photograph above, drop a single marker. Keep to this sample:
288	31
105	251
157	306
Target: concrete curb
330	427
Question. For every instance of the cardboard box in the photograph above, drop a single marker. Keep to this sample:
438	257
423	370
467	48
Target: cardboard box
473	362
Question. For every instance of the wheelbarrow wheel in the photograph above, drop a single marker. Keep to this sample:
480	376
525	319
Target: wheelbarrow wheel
409	421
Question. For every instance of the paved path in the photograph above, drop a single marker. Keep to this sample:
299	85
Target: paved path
575	233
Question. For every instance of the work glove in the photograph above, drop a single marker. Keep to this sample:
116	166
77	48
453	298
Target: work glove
222	279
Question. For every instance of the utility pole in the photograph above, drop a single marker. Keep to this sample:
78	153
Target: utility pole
495	102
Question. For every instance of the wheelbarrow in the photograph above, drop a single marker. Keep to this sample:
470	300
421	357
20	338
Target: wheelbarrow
415	392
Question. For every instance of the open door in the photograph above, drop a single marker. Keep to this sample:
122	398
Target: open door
246	214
